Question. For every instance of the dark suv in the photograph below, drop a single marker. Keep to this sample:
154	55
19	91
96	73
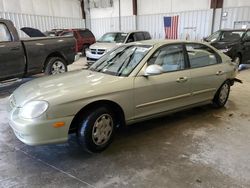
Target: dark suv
234	43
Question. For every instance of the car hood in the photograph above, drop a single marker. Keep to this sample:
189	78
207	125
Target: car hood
223	44
65	87
104	45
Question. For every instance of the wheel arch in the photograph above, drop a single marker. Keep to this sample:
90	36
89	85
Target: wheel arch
111	105
53	54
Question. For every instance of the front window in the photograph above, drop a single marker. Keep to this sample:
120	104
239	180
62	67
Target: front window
122	60
4	33
113	37
170	58
231	35
214	37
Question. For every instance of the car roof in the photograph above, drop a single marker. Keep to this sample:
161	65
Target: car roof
162	42
233	30
136	31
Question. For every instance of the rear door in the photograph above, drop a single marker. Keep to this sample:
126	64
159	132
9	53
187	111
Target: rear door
206	69
167	91
12	59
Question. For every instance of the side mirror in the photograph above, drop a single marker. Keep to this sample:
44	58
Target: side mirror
153	70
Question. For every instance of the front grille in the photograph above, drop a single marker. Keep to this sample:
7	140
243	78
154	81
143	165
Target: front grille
97	51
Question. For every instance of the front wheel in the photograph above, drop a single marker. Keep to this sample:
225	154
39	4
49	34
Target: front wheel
55	65
96	130
222	95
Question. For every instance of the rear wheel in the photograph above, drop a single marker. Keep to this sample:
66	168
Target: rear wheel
55	65
222	95
96	130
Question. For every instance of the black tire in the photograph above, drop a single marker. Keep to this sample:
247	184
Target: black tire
87	127
222	95
54	61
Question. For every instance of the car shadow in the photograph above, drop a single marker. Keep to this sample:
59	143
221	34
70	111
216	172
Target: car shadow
126	137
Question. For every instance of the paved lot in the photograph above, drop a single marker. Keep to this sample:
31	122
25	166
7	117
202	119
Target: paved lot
202	147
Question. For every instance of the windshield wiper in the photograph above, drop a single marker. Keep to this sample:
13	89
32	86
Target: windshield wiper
127	63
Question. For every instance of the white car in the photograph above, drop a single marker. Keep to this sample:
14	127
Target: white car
111	40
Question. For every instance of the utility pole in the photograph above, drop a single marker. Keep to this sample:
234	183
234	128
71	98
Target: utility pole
120	24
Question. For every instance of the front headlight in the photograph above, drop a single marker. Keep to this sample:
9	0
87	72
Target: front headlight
33	109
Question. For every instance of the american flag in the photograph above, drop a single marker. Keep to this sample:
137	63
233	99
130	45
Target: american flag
171	27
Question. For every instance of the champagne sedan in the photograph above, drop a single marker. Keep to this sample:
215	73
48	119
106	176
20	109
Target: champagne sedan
131	83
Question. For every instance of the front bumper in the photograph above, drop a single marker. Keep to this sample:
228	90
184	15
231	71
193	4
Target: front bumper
39	132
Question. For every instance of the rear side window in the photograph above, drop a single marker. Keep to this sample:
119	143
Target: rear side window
85	33
4	33
146	36
201	55
139	36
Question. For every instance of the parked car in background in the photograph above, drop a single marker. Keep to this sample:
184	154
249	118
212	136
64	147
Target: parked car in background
234	43
84	38
20	58
113	39
131	83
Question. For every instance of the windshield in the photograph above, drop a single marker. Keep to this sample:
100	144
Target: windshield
122	60
231	35
113	37
225	36
214	37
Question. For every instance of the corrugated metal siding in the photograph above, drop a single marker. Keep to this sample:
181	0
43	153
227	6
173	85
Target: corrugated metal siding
193	25
102	25
43	23
237	14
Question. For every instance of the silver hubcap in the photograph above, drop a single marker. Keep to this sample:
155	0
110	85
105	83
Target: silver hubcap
224	93
102	129
58	67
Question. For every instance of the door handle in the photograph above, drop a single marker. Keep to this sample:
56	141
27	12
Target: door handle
219	73
182	79
15	48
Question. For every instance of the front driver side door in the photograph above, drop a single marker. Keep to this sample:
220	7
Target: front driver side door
167	91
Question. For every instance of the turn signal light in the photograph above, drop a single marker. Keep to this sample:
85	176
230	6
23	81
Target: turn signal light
58	124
